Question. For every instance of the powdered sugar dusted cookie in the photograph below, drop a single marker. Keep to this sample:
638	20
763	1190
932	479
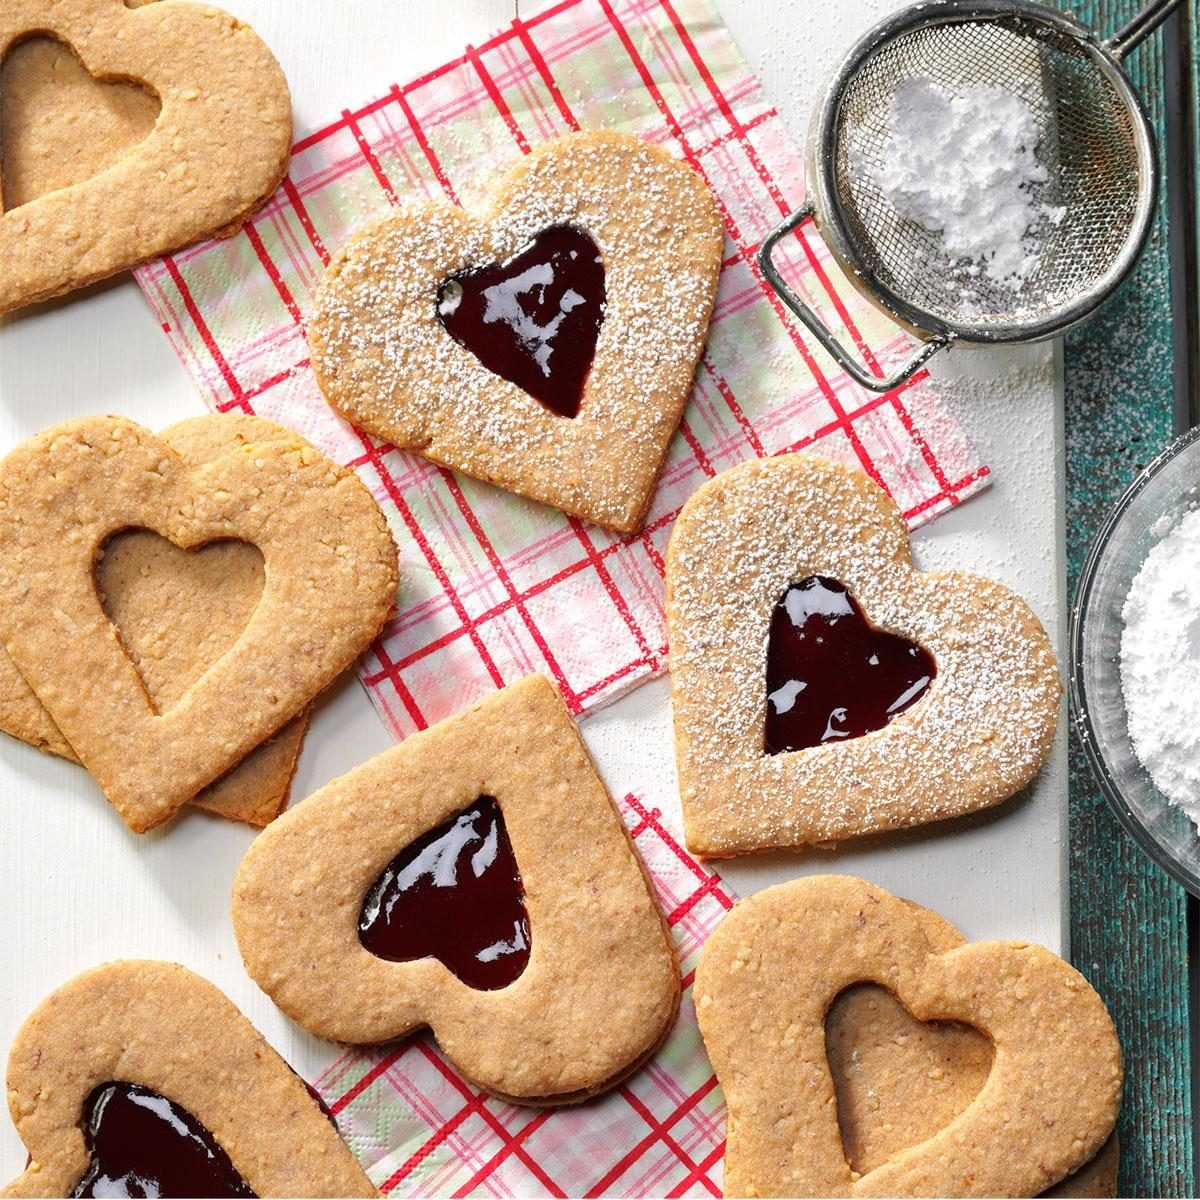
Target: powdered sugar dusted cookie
822	687
898	1081
202	140
771	972
141	1079
476	879
177	613
330	578
547	344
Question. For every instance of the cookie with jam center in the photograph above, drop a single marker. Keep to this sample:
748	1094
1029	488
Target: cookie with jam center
141	1078
545	342
823	688
476	879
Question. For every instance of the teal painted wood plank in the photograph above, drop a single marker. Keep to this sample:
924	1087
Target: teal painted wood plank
1128	920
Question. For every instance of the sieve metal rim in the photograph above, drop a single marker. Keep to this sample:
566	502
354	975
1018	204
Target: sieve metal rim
825	207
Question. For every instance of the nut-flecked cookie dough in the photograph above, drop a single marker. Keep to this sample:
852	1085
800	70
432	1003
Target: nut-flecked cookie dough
767	979
330	580
386	355
899	1080
176	613
170	615
148	182
746	545
596	986
173	1037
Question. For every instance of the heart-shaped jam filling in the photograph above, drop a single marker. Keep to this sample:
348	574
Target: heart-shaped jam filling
831	675
454	894
45	93
142	1144
534	319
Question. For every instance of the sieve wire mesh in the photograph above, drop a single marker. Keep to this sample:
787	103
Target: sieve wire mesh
1088	143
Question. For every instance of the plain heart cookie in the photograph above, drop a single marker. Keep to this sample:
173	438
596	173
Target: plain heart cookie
218	147
898	1081
171	616
176	613
476	879
330	581
769	975
545	344
142	1079
822	687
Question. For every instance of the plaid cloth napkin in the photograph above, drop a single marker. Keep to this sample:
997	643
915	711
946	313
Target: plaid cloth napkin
494	587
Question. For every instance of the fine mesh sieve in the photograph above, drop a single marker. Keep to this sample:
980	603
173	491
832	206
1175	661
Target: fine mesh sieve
1095	144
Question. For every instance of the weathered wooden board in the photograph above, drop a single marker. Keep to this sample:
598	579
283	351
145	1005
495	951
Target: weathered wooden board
1129	922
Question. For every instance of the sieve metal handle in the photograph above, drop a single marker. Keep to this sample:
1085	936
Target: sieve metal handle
1130	36
817	327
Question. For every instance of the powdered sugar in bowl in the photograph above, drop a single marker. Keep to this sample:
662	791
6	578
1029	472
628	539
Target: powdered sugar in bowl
1150	511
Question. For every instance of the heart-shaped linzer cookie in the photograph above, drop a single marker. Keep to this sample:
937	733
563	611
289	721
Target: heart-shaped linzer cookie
944	684
330	579
497	345
771	972
899	1081
142	1079
526	935
176	613
100	188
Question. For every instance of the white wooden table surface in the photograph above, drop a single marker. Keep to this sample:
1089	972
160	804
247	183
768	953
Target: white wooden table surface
77	889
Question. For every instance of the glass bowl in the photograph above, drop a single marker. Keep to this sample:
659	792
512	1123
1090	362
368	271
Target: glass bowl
1167	489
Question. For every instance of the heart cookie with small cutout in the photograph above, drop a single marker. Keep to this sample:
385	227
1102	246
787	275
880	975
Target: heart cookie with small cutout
176	613
329	583
899	1081
476	879
140	1078
545	342
216	149
775	967
822	687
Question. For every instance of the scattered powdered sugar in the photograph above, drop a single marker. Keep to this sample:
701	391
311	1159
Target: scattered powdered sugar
965	165
1160	664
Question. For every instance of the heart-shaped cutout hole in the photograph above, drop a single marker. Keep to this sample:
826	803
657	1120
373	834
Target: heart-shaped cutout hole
177	611
142	1144
58	124
898	1080
534	319
831	674
455	894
